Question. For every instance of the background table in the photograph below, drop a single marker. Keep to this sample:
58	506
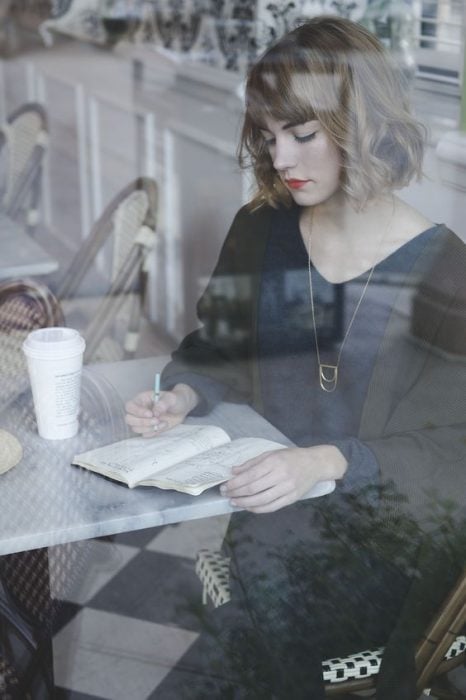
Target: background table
20	255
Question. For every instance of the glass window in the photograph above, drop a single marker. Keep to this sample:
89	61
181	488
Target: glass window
438	38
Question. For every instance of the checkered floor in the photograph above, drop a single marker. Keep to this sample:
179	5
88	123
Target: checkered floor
134	614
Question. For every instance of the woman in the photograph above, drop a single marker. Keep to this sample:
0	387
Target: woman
329	135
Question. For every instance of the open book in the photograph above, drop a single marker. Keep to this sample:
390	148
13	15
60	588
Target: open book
189	458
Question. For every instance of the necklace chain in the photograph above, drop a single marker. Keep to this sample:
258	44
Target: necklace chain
328	374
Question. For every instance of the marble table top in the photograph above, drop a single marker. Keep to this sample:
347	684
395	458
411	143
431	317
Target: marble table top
45	501
21	254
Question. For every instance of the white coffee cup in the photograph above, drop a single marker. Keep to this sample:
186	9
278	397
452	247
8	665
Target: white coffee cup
54	358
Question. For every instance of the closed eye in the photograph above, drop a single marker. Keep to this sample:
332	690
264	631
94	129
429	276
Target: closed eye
270	140
304	139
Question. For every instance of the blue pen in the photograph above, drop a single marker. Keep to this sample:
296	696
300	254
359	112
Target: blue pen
157	387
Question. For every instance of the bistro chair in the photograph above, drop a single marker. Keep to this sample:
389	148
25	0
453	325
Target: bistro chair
23	142
24	306
442	648
129	223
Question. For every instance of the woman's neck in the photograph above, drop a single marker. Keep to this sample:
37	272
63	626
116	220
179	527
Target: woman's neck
346	242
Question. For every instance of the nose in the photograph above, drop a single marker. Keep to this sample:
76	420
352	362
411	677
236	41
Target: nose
284	155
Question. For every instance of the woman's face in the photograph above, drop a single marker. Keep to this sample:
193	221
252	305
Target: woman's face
307	161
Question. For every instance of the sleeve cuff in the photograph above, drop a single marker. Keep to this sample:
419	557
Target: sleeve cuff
363	469
210	392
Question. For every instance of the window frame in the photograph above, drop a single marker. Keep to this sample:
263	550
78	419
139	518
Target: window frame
436	64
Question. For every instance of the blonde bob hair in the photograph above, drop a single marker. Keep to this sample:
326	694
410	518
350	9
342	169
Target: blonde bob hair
337	72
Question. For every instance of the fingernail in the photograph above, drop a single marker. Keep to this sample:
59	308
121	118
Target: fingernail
233	503
223	490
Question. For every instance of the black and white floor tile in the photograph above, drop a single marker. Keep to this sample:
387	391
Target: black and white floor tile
134	614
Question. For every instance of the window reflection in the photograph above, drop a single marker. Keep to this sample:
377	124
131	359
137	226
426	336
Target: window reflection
156	89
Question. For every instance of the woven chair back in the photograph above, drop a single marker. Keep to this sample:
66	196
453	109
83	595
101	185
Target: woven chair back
24	306
24	138
129	221
133	207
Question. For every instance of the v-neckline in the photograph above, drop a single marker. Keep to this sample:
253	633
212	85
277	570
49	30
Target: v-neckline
304	251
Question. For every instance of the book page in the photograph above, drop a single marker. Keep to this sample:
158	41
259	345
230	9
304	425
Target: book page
199	473
134	459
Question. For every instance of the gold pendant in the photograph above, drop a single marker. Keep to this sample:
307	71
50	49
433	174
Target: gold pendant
328	382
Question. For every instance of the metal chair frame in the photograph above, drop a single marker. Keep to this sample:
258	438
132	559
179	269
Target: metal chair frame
123	281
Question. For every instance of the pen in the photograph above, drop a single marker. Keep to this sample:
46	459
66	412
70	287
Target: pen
157	387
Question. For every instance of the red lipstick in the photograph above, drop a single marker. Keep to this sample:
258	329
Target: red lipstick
296	184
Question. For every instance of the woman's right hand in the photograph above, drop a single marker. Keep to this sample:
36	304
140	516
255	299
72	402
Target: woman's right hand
149	419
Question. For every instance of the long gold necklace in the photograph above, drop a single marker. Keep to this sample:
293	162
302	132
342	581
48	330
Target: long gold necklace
328	374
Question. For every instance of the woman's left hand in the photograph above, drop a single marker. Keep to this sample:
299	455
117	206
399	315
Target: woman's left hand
277	479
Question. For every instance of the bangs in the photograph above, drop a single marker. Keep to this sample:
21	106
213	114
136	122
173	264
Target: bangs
294	89
273	98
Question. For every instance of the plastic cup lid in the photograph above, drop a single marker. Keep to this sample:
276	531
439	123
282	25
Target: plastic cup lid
53	343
